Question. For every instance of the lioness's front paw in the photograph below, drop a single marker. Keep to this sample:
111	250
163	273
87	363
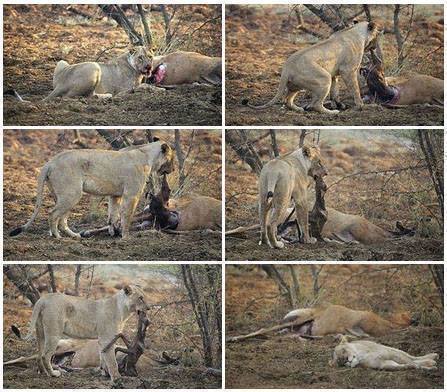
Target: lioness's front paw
279	245
56	373
310	240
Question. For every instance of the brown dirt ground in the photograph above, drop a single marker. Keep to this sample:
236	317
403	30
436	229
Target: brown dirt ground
260	38
25	152
382	199
161	336
31	51
283	361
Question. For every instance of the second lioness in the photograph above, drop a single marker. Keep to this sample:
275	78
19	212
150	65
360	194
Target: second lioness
316	68
122	175
283	179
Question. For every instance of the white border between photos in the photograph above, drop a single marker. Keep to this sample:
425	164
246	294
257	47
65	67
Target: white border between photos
222	128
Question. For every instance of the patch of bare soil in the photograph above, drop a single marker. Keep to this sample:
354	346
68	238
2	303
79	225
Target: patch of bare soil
284	361
408	249
31	51
260	38
25	152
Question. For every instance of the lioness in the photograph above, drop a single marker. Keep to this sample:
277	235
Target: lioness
317	68
355	228
373	355
57	315
194	212
282	179
119	75
186	68
335	319
410	89
122	175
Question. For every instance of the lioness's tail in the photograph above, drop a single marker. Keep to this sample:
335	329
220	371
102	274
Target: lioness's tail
279	95
36	313
271	185
40	184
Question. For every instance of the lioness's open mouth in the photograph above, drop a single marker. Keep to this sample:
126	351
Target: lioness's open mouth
158	74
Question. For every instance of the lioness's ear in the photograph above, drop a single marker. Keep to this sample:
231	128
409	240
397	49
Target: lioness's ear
306	151
127	290
164	148
372	26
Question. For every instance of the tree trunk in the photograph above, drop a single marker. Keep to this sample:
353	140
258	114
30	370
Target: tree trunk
17	276
180	158
332	18
200	313
274	143
238	141
147	30
116	13
52	279
77	278
433	165
437	271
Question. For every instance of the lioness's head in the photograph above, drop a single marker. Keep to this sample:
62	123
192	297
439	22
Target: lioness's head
141	59
340	356
135	298
373	32
165	163
312	154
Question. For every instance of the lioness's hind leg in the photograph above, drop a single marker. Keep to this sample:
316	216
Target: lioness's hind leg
320	87
65	202
63	222
392	365
279	211
40	346
289	101
263	223
352	83
114	215
49	350
127	210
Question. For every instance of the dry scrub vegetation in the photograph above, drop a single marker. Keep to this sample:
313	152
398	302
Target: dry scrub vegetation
380	175
26	151
254	301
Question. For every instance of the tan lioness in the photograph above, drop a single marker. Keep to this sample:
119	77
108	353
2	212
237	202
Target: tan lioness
119	75
283	179
409	89
336	319
122	175
186	68
59	315
316	68
193	212
372	355
353	228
